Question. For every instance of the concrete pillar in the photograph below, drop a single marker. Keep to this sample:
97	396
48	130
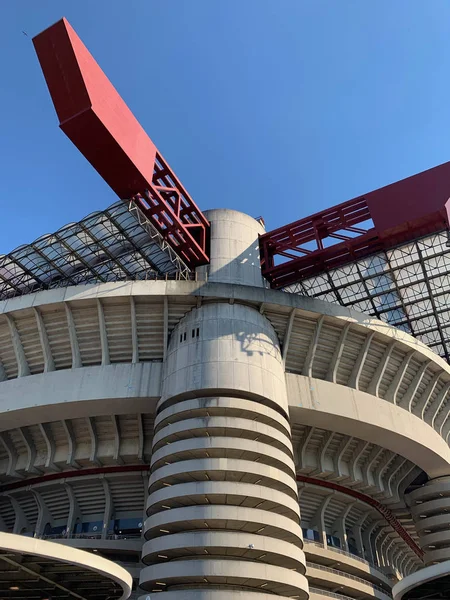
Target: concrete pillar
358	533
234	255
44	515
370	551
318	520
223	513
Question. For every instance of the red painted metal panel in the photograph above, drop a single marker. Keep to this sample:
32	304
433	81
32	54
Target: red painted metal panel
96	119
416	203
399	212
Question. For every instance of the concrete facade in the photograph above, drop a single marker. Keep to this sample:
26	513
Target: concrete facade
223	440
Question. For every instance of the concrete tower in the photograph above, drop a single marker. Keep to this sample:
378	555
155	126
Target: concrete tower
223	505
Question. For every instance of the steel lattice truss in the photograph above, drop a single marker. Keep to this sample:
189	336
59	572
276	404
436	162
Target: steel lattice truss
408	287
111	245
96	119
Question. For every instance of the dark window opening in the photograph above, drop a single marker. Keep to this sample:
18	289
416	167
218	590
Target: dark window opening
333	540
311	534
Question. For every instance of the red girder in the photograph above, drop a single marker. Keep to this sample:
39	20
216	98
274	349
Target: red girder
96	119
400	212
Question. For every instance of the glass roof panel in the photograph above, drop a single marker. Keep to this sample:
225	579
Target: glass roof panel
110	245
407	286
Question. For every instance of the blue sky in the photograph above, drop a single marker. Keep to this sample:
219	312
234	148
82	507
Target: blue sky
274	107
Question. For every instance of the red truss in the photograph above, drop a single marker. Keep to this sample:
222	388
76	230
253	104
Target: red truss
96	119
382	219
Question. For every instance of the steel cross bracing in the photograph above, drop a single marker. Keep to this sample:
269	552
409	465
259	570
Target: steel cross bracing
380	220
302	242
385	254
102	127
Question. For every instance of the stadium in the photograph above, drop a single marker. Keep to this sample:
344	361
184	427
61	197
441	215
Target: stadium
193	407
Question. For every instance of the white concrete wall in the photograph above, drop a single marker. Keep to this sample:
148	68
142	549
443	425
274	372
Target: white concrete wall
71	393
234	251
338	408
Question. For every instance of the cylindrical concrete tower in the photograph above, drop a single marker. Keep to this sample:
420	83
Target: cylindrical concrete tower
234	253
223	515
429	506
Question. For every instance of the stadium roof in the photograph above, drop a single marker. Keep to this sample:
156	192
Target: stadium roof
116	244
407	286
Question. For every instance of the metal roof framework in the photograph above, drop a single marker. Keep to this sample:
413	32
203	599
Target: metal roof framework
116	244
96	119
407	286
380	220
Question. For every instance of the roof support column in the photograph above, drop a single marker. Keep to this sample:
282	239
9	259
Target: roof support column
103	333
94	441
44	515
318	520
31	450
12	454
51	446
72	444
49	364
134	334
337	355
20	522
76	356
357	532
109	508
22	366
74	511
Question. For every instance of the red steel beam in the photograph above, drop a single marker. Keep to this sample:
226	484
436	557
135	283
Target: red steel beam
96	119
397	213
